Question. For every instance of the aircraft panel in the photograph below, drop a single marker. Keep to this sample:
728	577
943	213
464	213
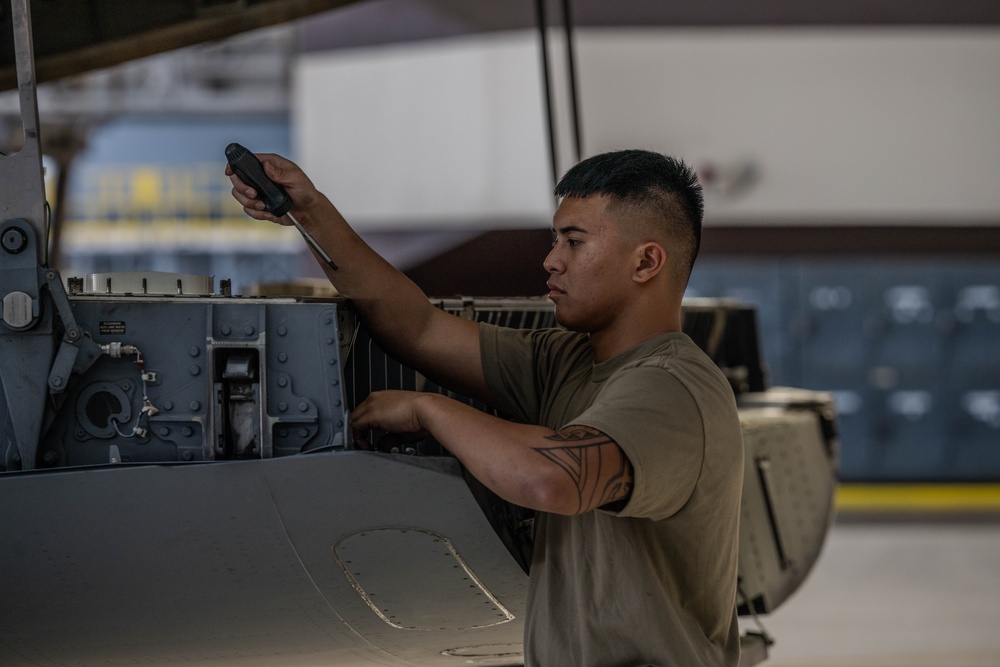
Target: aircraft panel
234	563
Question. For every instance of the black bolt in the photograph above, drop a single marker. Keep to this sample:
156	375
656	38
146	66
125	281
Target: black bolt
14	240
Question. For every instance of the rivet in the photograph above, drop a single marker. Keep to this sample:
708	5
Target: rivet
303	406
187	431
195	406
164	431
248	330
282	331
226	330
168	405
282	382
194	351
282	357
282	406
303	432
195	370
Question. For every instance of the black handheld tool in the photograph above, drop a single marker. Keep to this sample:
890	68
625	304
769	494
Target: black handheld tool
276	201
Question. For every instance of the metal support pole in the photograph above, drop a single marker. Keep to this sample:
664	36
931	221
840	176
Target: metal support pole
570	112
574	101
22	185
27	345
547	84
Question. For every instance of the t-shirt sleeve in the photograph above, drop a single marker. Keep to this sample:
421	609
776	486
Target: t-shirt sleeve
653	417
523	366
509	365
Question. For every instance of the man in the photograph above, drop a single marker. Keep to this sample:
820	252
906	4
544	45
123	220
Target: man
627	439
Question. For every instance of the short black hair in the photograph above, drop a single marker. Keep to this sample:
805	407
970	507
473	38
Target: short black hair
643	180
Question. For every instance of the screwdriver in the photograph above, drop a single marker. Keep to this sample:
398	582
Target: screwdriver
276	201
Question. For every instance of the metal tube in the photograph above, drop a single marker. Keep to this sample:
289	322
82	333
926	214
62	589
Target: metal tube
549	113
574	103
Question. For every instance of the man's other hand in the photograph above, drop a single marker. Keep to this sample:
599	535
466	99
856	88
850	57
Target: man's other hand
393	411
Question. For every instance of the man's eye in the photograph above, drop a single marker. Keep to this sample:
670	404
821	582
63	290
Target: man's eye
571	242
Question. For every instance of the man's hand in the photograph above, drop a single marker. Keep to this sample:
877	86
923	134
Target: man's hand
285	173
393	411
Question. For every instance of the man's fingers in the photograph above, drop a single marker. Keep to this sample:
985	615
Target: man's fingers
283	172
245	195
275	172
393	411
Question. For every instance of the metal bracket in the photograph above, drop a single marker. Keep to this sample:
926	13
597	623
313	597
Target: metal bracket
77	351
30	368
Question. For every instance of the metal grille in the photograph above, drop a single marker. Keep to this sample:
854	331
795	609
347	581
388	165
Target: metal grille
726	330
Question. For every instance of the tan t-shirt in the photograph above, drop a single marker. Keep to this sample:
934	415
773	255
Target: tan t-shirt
654	584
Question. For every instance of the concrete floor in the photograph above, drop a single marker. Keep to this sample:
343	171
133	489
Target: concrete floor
894	594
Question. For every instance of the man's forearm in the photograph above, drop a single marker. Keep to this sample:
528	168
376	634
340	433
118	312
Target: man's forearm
394	309
497	452
390	304
564	472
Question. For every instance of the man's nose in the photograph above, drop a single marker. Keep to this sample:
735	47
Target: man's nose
552	262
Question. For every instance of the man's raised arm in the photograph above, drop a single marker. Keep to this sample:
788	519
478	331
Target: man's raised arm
398	315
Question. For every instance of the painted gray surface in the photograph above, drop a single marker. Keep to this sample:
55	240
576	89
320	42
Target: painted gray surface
232	563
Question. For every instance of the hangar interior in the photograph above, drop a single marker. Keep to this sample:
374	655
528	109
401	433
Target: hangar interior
850	156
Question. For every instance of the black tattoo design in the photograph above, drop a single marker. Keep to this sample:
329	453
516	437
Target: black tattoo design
599	469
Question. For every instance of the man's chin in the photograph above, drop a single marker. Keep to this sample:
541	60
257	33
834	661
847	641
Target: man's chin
567	322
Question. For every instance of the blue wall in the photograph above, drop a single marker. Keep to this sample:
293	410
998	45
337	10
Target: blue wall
909	347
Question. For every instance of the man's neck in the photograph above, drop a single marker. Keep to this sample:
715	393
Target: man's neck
610	342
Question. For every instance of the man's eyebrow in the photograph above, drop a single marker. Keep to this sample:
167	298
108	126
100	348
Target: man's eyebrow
569	228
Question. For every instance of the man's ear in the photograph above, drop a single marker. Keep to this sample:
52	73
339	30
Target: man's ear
651	260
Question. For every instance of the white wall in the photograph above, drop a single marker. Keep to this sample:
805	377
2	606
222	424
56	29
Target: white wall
867	125
433	134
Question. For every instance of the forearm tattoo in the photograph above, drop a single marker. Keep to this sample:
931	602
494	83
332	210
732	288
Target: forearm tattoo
596	464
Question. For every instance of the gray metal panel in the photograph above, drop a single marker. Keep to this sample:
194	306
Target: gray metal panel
295	350
789	483
231	563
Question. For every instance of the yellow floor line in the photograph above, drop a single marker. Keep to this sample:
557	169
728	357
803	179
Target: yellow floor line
918	497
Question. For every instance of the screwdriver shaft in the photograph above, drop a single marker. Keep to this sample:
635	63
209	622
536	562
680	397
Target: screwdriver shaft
311	241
